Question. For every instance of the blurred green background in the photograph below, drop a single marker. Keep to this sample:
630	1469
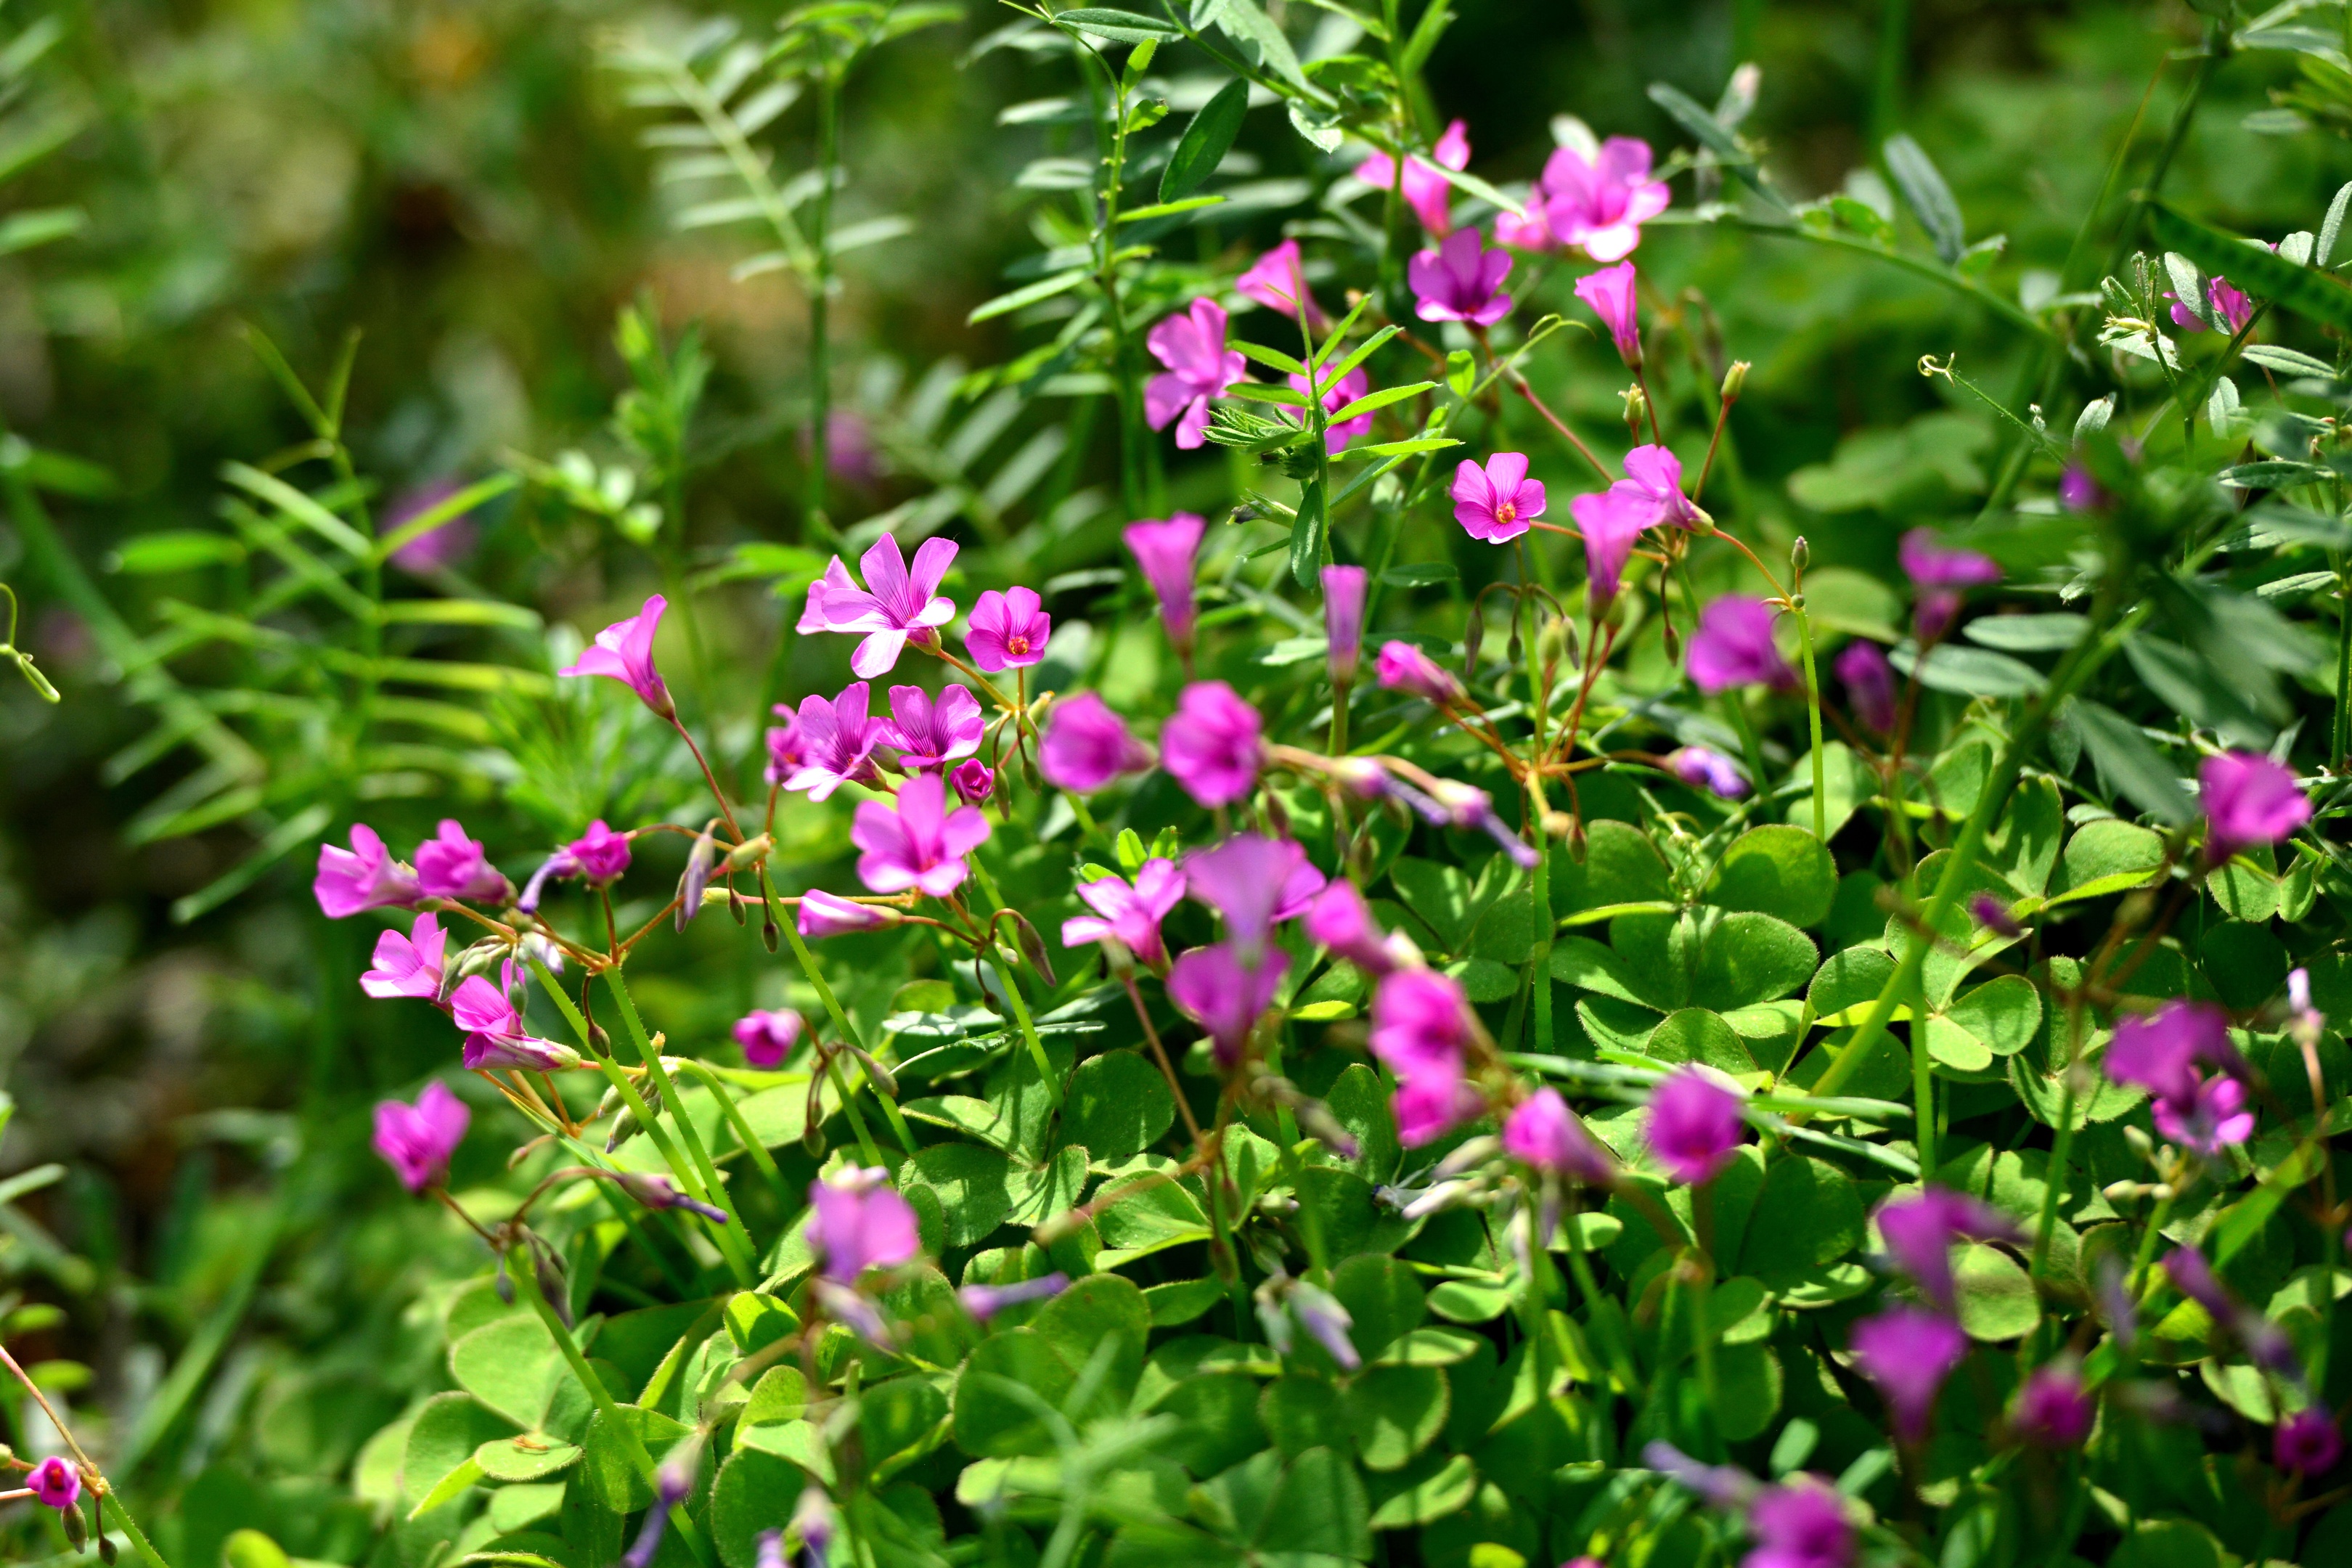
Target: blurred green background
221	1281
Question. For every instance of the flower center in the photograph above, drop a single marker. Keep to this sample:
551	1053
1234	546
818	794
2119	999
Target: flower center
1016	644
1508	512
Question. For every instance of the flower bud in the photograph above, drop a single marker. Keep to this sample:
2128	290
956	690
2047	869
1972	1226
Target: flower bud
1637	409
1800	555
1734	381
749	853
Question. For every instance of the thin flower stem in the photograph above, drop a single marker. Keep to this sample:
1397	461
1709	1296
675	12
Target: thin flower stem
1012	994
1813	715
1160	1052
815	978
139	1541
2342	730
1519	384
734	1239
1923	1079
709	778
1736	706
752	1146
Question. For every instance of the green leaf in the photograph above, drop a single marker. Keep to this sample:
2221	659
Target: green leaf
892	1417
1183	1300
1748	958
1218	1412
1306	535
1429	1496
1383	1298
1120	26
530	1457
1117	1105
1395	1411
2315	295
1967	671
1696	1035
2026	634
990	1422
1997	1299
1205	142
1620	865
1028	294
509	1365
973	1186
1808	1214
609	1472
753	1492
1776	871
1301	1413
173	550
2129	762
1318	1507
1104	1309
2106	856
1927	196
1245	23
1381	399
1747	1384
444	1435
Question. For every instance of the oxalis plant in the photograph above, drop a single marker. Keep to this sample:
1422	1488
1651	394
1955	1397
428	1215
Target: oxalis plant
1618	1066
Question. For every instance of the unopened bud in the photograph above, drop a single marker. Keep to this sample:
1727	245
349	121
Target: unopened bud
106	1549
1734	381
768	931
1800	555
1673	640
813	1141
2141	1143
1637	409
751	852
76	1528
884	1080
1558	823
1554	639
599	1041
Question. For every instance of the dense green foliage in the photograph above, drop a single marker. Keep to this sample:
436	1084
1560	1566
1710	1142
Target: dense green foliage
276	281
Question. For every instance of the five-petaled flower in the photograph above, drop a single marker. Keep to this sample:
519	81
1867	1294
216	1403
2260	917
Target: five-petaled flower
1733	646
1497	502
1909	1352
1701	767
1460	281
898	606
1128	915
1601	203
1337	395
917	842
1693	1125
768	1035
928	733
495	1035
408	965
835	742
1277	280
1609	521
417	1140
1085	745
451	866
364	877
1343	620
1404	668
625	652
1165	551
1542	1131
822	914
856	1223
1869	683
1211	744
1192	344
1425	190
54	1483
2247	800
1007	630
1214	988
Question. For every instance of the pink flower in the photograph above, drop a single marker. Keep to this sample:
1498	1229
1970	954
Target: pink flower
1192	344
2215	1119
1702	768
1472	811
1547	1135
1919	1233
624	651
928	734
1610	521
2159	1051
1613	297
1086	746
985	1301
1211	986
918	844
361	878
2247	800
408	965
1343	620
2307	1442
1940	573
599	856
1129	915
1254	882
1909	1352
416	1141
1404	668
1337	919
787	750
450	865
1278	281
1335	397
1420	1025
2227	300
1165	551
2052	1409
836	741
1733	646
768	1038
903	606
1801	1524
1994	915
1425	190
438	547
1602	204
857	1223
494	1032
823	915
54	1483
975	781
1496	503
2078	491
1531	233
1693	1125
1428	1108
1007	630
1656	474
1460	281
1211	744
1869	684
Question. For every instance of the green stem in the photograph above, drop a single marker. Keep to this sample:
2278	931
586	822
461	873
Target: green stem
2342	663
1012	994
2147	1244
743	1133
734	1239
828	122
815	977
1813	717
1735	705
139	1541
1894	46
1923	1079
2061	1146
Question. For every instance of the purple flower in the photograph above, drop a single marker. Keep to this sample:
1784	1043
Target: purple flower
1461	281
1253	881
2052	1410
916	842
1702	768
985	1301
1420	1025
1404	668
814	1522
835	743
1497	502
1211	744
54	1483
2307	1442
2159	1051
1940	573
1277	280
2227	300
1322	1314
1428	1108
823	915
450	865
2247	800
1613	297
1343	620
1610	521
2214	1118
2193	1277
1869	684
1086	746
494	1032
416	1141
624	651
1725	1486
1602	204
1212	986
1192	344
408	965
857	1223
1007	630
897	607
1693	1125
768	1038
1909	1352
1993	915
1542	1131
600	855
1656	474
928	734
975	781
1338	919
441	546
1733	646
1472	811
786	748
1165	551
1801	1524
658	1192
1335	397
1425	190
361	878
2078	491
1128	915
670	1489
1919	1233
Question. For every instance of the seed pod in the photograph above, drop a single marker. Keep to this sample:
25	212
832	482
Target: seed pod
76	1528
883	1077
1674	642
1033	946
768	931
106	1549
